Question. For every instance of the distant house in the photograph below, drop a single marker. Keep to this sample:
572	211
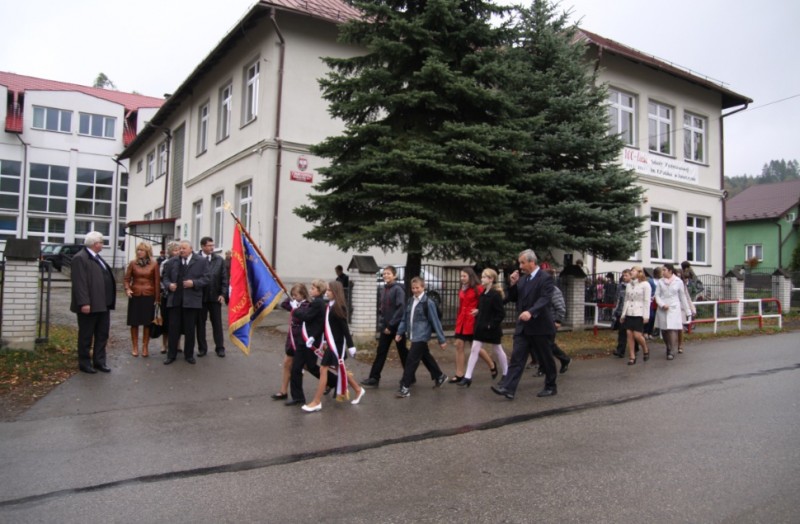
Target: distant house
762	225
59	176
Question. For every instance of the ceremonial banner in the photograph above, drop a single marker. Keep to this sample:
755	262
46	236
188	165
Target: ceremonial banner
254	290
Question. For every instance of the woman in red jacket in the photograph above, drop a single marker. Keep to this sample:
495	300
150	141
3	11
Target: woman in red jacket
465	323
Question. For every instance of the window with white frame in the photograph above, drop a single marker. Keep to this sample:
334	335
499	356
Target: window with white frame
97	125
202	128
139	166
752	251
52	119
159	213
662	228
251	91
49	230
197	221
622	116
694	138
245	200
83	227
791	217
162	159
9	184
123	195
8	227
47	190
150	174
217	202
696	239
93	192
660	121
148	215
225	111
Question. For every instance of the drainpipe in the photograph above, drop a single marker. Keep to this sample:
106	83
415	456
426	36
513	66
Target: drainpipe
780	243
23	212
115	217
278	140
722	183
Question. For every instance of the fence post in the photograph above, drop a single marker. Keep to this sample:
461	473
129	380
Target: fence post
734	287
21	293
782	288
363	289
574	281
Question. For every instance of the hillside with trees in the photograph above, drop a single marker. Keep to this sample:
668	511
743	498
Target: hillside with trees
775	171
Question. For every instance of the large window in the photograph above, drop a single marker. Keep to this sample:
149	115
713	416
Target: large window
217	202
97	125
123	195
694	137
622	116
8	227
83	227
251	91
48	188
49	230
660	120
150	174
662	228
696	239
9	185
52	119
162	159
752	251
93	192
197	220
225	110
245	199
202	128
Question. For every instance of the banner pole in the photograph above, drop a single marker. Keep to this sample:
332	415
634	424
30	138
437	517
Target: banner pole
255	246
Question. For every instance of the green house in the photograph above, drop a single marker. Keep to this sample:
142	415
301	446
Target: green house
761	223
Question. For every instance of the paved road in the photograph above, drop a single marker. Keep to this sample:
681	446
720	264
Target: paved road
713	436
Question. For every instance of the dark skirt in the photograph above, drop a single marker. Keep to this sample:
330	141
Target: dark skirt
329	358
466	338
141	310
634	324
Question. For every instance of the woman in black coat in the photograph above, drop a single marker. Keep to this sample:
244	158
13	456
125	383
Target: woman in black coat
488	325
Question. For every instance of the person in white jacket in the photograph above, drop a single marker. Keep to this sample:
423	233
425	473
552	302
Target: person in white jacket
673	306
636	313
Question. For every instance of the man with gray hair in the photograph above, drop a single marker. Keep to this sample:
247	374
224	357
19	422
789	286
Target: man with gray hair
94	294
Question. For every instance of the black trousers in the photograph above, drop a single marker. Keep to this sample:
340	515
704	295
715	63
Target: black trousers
419	352
213	311
182	321
384	344
541	347
93	326
303	358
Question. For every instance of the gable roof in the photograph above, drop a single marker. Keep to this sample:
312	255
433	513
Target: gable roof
763	201
729	98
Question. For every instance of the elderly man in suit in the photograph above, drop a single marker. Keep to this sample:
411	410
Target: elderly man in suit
185	280
94	295
535	328
214	295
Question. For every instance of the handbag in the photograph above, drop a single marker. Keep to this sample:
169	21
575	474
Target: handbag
157	318
156	327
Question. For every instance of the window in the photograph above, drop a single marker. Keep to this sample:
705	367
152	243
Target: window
251	92
139	166
660	120
202	129
790	217
123	195
52	119
159	213
93	192
148	216
225	109
694	137
752	251
661	235
622	116
8	227
245	198
9	185
217	202
162	159
197	215
82	227
97	125
48	189
696	239
150	175
49	230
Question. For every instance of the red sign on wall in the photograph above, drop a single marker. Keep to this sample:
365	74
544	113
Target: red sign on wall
300	176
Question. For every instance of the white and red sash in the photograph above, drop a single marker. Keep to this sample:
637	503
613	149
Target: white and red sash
341	379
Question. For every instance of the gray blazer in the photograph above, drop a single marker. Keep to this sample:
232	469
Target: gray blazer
197	270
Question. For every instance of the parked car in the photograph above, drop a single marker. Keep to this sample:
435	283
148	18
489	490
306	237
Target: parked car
60	254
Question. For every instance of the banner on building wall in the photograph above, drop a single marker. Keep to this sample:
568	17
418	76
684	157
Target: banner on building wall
658	166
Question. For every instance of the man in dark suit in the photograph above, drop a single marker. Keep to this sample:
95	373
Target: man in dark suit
535	328
214	295
185	280
94	295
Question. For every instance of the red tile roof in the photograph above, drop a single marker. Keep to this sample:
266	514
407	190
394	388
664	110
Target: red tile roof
763	201
332	10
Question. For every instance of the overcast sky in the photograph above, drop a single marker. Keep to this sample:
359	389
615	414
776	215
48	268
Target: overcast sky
150	46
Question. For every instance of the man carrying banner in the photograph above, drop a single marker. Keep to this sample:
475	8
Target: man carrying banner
185	280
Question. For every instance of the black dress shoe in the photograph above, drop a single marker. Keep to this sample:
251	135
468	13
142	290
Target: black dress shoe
503	392
221	353
370	382
87	369
201	353
293	402
103	368
169	360
547	392
279	396
565	365
190	360
619	355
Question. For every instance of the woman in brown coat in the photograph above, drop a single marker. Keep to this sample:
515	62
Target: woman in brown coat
143	287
